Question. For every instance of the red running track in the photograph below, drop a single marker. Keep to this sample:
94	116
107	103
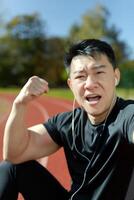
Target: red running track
38	112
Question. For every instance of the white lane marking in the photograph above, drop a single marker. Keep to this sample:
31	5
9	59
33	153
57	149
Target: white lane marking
41	109
63	104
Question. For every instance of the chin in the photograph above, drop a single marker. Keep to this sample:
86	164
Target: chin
94	112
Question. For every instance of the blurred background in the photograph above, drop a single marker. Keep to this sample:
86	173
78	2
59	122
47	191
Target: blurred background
34	35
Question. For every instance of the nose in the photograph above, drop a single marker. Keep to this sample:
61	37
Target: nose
90	83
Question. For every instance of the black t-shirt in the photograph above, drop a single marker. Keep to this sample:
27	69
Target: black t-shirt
100	158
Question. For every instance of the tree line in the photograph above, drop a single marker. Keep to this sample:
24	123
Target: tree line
26	50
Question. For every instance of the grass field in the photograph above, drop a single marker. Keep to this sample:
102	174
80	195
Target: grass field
65	93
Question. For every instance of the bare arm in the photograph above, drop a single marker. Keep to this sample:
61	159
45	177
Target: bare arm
21	143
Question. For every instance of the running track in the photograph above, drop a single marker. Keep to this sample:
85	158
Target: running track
38	112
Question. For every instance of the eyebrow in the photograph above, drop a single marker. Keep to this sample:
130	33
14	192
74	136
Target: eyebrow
95	67
98	67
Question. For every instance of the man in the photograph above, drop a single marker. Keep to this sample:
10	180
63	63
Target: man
97	137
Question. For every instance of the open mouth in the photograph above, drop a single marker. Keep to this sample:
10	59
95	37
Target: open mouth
93	99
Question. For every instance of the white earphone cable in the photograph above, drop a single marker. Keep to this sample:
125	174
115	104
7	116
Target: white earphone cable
74	144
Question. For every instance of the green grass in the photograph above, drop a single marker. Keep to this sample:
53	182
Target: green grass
9	90
125	93
61	93
65	93
54	92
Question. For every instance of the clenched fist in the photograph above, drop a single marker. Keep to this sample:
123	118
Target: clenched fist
34	87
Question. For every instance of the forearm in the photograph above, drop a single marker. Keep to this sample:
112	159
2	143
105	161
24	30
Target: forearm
15	134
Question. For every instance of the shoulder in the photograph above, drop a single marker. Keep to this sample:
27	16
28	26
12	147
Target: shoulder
125	110
126	105
126	118
65	117
59	125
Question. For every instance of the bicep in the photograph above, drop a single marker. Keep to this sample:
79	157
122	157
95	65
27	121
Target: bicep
40	144
40	139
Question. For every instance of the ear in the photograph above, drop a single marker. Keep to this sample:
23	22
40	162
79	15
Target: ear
69	83
117	76
116	82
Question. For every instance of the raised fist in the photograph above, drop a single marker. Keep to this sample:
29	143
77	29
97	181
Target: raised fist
34	87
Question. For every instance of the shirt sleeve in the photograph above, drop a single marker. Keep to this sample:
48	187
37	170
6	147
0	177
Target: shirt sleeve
129	125
53	129
130	129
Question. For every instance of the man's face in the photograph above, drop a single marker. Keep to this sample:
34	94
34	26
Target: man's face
92	81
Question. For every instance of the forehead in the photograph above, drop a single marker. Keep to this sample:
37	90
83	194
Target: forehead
83	62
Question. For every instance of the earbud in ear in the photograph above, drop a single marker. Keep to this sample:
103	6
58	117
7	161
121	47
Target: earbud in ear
116	82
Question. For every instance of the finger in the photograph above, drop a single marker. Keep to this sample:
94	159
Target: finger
37	90
37	86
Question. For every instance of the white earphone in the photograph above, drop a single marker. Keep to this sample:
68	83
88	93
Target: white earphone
116	81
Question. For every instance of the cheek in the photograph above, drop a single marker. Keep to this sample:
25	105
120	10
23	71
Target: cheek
109	91
77	89
109	84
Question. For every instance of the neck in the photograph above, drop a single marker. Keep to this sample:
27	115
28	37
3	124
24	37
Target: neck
103	117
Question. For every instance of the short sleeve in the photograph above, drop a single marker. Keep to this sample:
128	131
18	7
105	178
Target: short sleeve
130	129
58	127
52	127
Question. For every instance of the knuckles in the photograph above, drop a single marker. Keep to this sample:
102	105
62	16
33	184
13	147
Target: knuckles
37	79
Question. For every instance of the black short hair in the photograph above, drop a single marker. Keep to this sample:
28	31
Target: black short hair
91	47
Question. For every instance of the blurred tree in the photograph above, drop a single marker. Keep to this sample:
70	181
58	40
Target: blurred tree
25	51
26	27
95	24
22	45
55	49
127	74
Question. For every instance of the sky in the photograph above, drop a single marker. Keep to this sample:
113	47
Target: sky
60	15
